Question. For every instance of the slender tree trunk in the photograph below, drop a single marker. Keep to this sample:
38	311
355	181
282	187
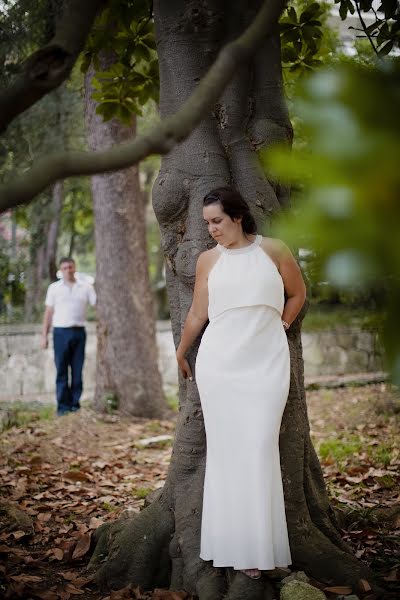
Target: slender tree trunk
223	149
127	371
71	244
44	226
52	235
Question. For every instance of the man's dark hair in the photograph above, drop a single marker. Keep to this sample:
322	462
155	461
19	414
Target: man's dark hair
66	259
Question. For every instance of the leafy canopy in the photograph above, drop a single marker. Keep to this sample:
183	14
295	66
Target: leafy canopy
125	31
384	32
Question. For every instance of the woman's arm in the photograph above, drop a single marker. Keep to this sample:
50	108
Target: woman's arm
295	288
197	315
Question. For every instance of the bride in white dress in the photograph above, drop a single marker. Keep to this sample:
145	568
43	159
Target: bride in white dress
243	374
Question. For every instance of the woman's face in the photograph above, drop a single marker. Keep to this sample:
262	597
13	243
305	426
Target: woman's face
220	226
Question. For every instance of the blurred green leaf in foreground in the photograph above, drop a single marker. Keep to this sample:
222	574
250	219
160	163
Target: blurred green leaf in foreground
348	209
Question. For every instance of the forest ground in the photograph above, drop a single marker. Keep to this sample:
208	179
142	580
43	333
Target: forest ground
60	478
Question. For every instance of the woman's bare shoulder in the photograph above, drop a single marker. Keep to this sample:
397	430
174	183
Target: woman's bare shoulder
207	258
274	245
208	254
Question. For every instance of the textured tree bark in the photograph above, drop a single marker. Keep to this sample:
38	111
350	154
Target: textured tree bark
223	149
126	344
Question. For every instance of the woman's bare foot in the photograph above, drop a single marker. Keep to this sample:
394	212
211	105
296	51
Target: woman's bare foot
252	573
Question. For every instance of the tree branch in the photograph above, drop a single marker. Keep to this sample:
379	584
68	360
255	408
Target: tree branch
49	66
364	27
162	138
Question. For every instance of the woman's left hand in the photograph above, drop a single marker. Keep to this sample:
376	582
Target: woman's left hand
184	367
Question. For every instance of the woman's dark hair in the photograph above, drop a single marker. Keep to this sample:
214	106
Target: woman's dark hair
233	205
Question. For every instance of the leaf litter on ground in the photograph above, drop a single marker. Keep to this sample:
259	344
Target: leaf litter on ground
63	478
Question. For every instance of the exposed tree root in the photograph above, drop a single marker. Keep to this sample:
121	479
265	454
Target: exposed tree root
211	584
135	550
243	588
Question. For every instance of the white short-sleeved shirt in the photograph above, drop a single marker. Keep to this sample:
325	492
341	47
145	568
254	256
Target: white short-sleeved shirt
70	302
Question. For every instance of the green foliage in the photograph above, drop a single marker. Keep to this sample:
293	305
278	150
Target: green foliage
24	26
125	31
173	402
338	449
13	263
141	492
348	212
108	507
301	35
110	402
323	318
384	33
23	413
77	218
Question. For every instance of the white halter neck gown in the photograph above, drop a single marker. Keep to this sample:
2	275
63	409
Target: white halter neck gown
242	374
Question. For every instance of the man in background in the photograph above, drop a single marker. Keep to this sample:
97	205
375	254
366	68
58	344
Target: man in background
66	307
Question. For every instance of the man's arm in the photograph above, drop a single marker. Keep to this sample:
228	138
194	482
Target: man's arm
48	316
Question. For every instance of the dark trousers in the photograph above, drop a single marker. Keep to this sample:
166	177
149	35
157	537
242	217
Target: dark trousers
69	353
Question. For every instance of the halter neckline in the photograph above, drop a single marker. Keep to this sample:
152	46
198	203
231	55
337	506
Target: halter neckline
243	249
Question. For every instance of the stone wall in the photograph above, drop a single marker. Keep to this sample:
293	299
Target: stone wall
341	351
26	371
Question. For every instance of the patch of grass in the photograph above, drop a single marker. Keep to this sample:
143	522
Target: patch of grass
108	507
20	414
141	492
110	402
74	466
70	518
387	481
382	454
173	402
321	317
154	427
339	450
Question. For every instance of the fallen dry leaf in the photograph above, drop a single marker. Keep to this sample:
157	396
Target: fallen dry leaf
71	589
76	476
26	578
94	523
82	546
363	586
393	575
44	517
58	553
18	534
344	590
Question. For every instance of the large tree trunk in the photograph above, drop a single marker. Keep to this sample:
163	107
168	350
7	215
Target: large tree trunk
127	374
249	116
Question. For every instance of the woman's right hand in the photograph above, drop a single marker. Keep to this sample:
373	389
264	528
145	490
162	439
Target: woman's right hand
184	366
